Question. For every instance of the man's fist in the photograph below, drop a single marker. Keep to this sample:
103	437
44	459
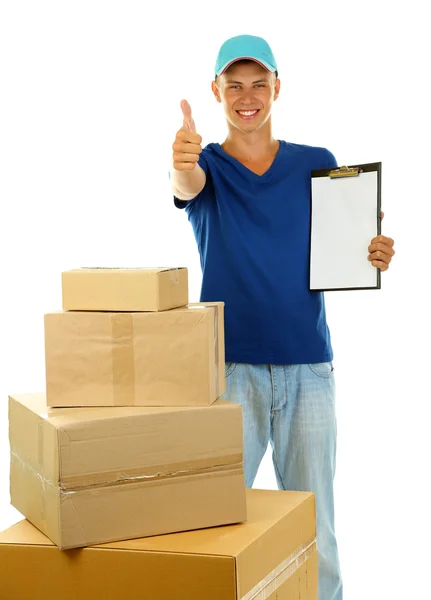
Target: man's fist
187	145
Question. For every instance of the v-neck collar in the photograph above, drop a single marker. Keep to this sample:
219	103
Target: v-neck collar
251	174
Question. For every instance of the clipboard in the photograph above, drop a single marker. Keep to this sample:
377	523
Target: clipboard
345	216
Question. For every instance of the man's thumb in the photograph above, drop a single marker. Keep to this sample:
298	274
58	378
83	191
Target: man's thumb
188	122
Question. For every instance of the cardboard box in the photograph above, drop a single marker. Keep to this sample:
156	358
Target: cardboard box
125	289
171	358
92	475
271	557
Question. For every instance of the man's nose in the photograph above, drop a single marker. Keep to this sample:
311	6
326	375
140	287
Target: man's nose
247	98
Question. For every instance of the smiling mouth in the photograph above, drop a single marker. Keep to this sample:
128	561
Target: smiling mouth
247	114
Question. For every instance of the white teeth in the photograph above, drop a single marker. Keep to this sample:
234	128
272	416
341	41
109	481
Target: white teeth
247	113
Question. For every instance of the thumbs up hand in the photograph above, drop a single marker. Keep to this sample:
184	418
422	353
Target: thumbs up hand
187	145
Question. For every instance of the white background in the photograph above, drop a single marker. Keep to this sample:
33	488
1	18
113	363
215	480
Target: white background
89	107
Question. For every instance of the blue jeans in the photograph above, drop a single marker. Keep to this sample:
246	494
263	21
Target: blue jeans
293	407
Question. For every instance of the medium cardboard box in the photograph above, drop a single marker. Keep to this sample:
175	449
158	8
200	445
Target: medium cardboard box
271	557
125	289
171	358
90	475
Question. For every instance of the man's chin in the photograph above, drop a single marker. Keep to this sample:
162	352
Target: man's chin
252	128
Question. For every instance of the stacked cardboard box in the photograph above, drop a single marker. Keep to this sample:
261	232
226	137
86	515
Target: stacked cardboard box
132	438
90	475
271	557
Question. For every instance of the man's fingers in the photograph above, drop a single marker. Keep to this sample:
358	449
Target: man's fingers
380	257
184	157
187	109
383	240
191	125
184	166
188	122
186	147
190	137
380	247
380	265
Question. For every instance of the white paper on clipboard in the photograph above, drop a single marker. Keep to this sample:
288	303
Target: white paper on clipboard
345	216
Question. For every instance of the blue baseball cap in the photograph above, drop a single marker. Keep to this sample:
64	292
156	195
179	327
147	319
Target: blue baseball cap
245	47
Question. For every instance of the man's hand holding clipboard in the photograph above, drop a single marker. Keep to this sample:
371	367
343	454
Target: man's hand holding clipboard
381	250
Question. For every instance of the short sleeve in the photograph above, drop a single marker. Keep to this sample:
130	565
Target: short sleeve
203	163
331	162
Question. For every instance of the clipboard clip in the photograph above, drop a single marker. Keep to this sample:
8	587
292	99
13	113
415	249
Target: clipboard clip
344	172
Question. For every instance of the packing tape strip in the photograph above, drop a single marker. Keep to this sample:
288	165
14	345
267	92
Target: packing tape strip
123	359
153	473
275	579
150	480
216	350
216	342
41	463
38	474
40	444
216	347
174	276
232	462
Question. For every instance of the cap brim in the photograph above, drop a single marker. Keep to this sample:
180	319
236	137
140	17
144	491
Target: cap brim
262	63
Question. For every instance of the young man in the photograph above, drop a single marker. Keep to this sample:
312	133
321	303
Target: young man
248	201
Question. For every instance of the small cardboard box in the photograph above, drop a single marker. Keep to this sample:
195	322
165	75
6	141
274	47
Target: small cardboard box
125	289
85	476
171	358
272	556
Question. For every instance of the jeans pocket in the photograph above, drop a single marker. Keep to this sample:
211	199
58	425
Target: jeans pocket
325	370
229	368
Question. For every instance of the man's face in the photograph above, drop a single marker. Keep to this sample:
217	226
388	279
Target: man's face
247	92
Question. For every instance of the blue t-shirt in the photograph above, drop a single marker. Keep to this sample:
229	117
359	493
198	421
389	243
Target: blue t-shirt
253	236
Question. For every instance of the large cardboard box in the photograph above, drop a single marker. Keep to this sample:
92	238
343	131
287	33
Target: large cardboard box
125	289
171	358
92	475
271	557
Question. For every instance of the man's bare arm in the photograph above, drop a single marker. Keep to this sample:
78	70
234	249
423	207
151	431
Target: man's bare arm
187	177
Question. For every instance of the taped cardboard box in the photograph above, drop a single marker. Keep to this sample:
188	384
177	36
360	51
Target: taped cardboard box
125	289
271	557
171	358
90	475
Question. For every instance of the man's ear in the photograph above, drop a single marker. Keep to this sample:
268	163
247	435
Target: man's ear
277	89
216	91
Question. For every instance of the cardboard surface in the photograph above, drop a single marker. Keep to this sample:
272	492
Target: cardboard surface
271	557
171	358
124	289
90	475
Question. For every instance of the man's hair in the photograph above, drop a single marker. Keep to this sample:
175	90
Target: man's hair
243	61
